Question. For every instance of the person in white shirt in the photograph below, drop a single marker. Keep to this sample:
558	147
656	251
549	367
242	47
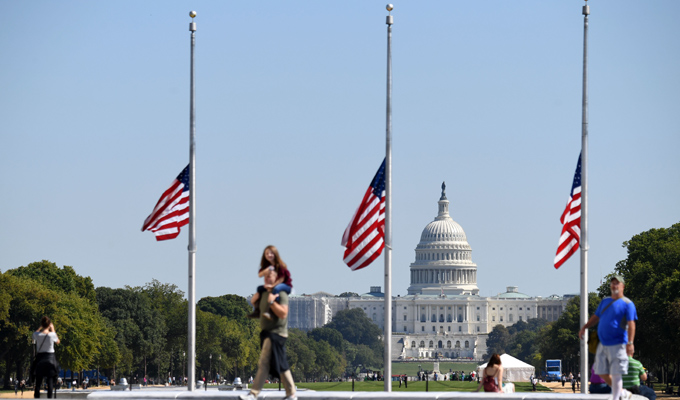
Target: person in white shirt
45	362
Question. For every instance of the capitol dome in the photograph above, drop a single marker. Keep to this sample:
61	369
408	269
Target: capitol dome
443	262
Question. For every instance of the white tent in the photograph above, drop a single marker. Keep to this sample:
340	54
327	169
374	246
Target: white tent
514	370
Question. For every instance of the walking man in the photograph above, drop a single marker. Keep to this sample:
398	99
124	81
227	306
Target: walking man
273	336
616	330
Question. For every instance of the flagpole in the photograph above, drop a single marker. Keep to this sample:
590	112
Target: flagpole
584	206
191	337
388	212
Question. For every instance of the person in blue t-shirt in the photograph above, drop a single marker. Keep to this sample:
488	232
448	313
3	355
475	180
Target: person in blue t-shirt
616	330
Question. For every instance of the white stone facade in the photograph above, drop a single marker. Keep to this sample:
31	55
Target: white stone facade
443	315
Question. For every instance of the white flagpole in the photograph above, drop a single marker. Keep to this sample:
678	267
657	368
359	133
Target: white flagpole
191	337
584	206
388	212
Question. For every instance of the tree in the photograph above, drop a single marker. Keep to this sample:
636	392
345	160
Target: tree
140	332
356	328
40	289
348	294
652	280
560	339
330	335
60	279
301	355
498	340
231	306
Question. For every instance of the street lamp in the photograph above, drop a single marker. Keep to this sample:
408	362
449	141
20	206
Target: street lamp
184	354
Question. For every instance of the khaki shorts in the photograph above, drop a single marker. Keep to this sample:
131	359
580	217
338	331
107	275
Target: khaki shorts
611	360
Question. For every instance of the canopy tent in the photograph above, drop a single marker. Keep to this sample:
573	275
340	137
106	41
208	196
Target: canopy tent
514	370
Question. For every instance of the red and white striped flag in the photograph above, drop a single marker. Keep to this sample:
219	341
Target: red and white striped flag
172	210
364	238
571	221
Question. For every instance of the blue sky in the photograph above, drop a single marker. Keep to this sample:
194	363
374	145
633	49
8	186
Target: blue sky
94	103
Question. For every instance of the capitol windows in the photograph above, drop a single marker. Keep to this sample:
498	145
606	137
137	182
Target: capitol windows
373	316
449	329
405	329
520	317
422	329
440	345
449	318
477	317
460	329
510	318
493	318
431	344
501	318
493	308
422	318
520	308
434	318
422	343
433	330
467	344
404	317
458	344
501	308
477	329
460	317
441	317
477	308
448	344
413	343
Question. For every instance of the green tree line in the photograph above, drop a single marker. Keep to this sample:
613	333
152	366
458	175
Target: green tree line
652	280
142	331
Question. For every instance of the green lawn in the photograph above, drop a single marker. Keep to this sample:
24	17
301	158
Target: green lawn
411	368
439	386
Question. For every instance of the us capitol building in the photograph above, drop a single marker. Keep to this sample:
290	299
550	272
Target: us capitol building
443	315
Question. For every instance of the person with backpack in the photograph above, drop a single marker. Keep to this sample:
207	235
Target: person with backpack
492	375
615	318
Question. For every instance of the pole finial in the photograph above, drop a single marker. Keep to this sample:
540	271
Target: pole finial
192	25
390	19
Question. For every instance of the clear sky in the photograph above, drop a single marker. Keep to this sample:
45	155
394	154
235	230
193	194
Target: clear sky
94	104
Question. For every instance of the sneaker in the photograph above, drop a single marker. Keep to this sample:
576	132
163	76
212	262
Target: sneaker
268	316
293	397
255	314
248	396
626	394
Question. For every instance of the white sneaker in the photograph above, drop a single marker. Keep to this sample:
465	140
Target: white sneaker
626	394
248	396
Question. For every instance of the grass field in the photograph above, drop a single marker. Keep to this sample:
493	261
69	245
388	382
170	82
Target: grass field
411	368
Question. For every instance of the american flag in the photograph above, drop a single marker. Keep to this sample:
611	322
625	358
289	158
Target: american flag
364	238
172	210
571	221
